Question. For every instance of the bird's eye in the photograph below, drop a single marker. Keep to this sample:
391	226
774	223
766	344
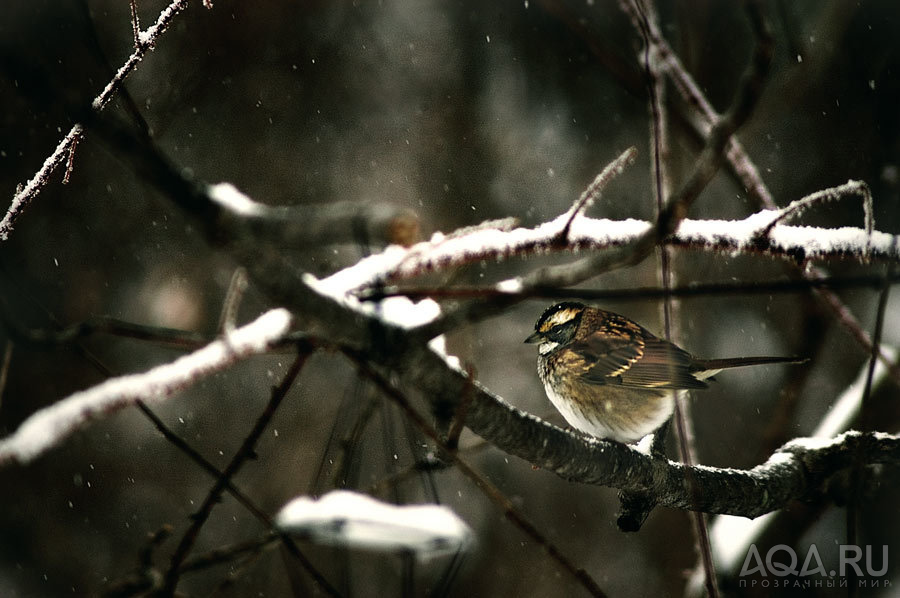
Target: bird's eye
558	333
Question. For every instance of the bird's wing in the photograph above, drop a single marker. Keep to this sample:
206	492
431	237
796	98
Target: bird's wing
634	358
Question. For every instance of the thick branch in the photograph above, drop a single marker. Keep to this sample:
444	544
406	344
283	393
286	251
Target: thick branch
796	471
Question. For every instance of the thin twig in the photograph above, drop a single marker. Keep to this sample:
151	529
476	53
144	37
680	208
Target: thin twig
227	554
595	189
135	25
243	454
183	339
232	302
65	148
710	289
192	453
70	162
797	207
858	473
852	324
4	367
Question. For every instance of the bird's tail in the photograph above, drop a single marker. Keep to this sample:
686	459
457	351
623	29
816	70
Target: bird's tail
711	367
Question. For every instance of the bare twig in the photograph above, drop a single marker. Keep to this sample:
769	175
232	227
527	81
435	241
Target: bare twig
710	289
182	445
227	554
595	189
4	366
103	325
858	473
70	162
245	452
850	322
232	302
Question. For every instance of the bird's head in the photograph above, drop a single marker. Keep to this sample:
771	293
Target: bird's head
556	326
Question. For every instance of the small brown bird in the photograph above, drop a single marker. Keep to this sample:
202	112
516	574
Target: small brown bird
612	378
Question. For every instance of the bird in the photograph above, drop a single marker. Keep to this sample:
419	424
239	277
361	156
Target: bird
613	379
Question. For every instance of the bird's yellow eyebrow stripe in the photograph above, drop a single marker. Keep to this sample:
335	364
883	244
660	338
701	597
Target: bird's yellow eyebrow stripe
560	317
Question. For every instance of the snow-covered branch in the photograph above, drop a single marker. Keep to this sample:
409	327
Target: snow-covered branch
49	426
758	233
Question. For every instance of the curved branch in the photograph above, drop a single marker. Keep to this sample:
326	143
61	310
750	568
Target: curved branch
798	470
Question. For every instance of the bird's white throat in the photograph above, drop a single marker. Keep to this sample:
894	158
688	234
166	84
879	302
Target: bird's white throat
547	346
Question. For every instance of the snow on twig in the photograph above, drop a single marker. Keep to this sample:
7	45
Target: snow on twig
24	195
144	42
796	208
49	426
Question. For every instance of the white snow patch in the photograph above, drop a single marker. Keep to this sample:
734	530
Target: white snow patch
645	444
812	444
351	519
399	311
232	199
731	537
512	285
603	231
405	313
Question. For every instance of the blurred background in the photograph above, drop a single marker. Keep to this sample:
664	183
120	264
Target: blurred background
455	113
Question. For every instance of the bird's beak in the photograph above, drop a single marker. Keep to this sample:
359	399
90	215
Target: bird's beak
535	337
